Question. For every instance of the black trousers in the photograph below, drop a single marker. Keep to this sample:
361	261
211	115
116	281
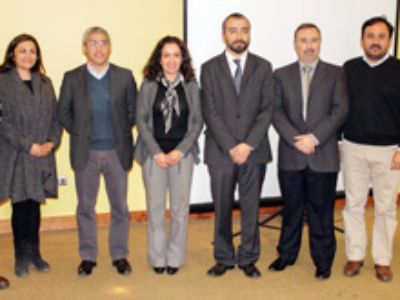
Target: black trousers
25	222
313	193
224	179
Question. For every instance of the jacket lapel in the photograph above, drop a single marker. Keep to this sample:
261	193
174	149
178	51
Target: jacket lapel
83	86
152	94
248	71
40	102
316	79
36	87
23	92
113	84
188	95
226	72
294	75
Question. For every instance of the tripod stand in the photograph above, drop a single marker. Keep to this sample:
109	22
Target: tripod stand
277	213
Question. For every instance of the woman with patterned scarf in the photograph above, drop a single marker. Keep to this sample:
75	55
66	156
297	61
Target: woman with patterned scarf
169	121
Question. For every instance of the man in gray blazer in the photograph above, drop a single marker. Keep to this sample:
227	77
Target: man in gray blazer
97	108
311	105
237	98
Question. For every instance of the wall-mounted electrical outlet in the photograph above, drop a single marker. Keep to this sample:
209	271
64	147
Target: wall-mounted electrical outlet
62	180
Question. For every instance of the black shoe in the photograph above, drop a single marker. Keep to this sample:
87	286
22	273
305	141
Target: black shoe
21	267
123	267
172	270
250	271
40	264
86	267
159	270
322	274
219	270
4	283
279	265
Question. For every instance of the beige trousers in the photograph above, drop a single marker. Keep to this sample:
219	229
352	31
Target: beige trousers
365	165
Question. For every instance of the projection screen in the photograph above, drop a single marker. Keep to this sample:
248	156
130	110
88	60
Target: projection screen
273	23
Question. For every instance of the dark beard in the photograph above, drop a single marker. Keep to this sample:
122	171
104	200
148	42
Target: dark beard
238	50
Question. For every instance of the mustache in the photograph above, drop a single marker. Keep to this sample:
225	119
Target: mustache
239	41
375	46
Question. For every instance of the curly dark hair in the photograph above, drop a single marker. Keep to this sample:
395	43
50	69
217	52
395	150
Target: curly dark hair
9	56
153	68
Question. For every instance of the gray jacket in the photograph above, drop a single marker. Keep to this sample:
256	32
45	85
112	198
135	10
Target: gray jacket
326	111
26	119
147	145
74	111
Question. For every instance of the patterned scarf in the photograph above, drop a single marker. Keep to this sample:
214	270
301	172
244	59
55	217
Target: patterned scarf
171	101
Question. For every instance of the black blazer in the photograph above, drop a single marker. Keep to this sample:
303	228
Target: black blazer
232	119
74	113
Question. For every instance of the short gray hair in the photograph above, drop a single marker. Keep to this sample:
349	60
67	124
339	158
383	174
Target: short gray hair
94	29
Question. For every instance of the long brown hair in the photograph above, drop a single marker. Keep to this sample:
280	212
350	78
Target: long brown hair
9	56
153	68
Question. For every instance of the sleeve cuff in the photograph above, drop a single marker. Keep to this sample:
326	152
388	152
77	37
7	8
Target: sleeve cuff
316	141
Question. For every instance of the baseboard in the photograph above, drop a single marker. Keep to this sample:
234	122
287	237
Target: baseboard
69	222
200	212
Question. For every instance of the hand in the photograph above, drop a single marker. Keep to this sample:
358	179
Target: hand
47	148
305	144
41	150
240	153
35	150
396	161
161	160
174	157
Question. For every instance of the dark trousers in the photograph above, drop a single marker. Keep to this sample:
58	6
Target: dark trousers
312	193
25	222
223	182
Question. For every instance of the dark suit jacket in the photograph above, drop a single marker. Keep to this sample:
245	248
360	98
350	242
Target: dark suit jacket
74	110
326	112
233	119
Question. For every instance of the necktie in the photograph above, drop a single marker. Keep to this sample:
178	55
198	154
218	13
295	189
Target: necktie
305	87
238	75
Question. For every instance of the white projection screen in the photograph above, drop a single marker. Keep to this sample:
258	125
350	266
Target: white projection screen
273	24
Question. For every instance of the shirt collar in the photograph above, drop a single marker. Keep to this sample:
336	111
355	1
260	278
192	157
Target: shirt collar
377	63
242	57
312	65
230	58
98	75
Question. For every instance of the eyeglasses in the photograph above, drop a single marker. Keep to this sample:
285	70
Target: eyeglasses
95	43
